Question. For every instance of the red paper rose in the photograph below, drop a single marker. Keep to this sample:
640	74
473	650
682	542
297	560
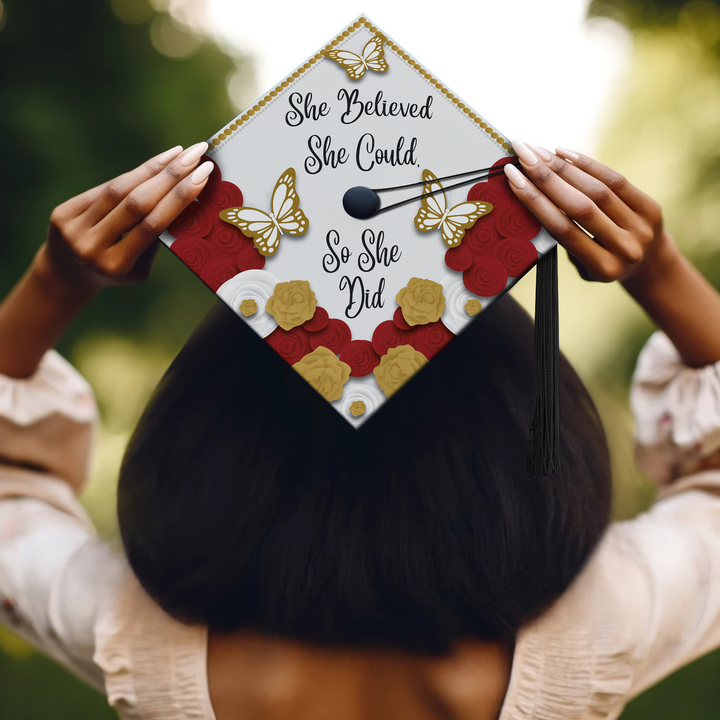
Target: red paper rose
399	320
292	345
226	238
218	271
334	336
482	237
193	221
430	339
493	193
517	222
473	190
486	277
318	321
223	195
361	357
459	258
388	335
194	252
249	258
516	255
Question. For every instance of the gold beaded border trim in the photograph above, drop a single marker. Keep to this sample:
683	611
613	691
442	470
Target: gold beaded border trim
360	22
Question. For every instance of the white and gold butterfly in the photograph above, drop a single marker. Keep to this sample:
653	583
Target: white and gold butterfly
355	65
264	228
452	222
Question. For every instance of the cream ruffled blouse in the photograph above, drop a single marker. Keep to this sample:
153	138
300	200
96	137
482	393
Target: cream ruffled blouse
646	603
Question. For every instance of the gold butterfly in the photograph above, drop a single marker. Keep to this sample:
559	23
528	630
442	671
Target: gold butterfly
355	65
434	213
265	229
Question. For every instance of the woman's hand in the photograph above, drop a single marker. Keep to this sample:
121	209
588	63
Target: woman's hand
573	195
567	189
107	235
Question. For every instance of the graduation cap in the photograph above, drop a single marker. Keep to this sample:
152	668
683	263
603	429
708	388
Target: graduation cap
359	217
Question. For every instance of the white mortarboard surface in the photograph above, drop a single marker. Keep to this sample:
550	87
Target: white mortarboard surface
358	306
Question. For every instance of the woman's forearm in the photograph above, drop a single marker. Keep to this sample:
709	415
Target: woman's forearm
33	316
681	302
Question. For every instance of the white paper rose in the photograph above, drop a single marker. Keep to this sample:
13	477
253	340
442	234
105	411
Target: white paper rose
359	390
455	318
257	285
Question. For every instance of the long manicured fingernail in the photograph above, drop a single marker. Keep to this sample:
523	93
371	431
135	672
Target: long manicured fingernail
542	152
169	155
193	154
202	173
524	153
515	176
567	154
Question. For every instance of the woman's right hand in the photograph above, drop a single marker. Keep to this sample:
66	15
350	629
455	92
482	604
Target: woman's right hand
614	231
107	235
565	188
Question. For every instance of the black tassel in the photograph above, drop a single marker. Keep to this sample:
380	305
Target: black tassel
543	456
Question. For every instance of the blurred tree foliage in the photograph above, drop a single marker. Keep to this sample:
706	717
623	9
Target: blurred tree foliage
666	135
88	90
85	97
666	138
637	14
33	687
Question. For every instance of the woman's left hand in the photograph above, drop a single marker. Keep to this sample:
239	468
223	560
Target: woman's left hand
108	235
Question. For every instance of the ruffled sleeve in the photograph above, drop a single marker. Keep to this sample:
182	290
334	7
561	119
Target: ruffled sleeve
47	421
677	412
646	603
154	666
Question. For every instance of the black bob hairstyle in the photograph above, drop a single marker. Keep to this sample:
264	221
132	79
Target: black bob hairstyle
246	501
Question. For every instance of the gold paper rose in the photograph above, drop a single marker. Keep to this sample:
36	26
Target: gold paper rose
473	306
422	301
357	408
397	367
325	372
248	307
292	303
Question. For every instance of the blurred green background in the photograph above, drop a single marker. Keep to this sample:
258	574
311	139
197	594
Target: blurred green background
90	88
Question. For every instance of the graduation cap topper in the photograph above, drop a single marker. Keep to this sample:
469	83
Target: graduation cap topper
357	293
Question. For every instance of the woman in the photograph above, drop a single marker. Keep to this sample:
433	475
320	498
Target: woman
281	564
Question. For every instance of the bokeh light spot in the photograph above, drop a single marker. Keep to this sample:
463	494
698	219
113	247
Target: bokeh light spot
172	40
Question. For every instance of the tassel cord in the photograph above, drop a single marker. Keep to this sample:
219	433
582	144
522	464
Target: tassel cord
543	457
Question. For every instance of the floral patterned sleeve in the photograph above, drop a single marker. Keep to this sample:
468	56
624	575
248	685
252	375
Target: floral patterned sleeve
677	412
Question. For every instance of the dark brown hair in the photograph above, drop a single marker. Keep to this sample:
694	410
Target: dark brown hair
246	501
